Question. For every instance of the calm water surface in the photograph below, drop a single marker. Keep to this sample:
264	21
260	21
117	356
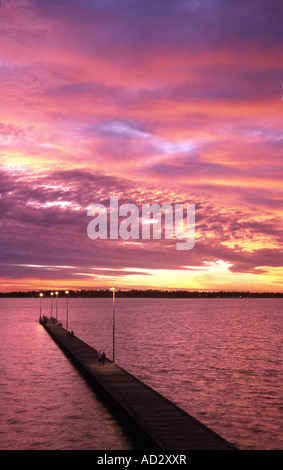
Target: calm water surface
219	359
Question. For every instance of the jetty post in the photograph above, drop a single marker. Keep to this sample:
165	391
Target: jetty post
40	296
56	293
113	291
51	306
67	309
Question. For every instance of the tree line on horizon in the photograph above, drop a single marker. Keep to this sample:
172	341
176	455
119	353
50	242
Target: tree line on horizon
148	293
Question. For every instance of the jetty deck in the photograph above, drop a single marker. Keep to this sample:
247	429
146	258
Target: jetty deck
167	425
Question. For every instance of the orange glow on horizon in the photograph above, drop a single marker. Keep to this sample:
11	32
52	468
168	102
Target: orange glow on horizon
215	276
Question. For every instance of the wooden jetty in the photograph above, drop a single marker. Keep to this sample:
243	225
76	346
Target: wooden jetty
166	425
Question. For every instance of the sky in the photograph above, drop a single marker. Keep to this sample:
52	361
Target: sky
153	101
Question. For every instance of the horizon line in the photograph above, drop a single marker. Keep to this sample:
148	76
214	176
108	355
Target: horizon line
146	290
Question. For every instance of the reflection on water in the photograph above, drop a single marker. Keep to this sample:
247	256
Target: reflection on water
219	359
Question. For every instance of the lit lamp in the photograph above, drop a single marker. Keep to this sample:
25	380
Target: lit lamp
113	291
51	293
40	296
56	293
67	311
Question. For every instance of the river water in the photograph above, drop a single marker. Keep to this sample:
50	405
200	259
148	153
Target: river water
218	359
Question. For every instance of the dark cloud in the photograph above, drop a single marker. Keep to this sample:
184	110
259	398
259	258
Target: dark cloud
35	234
193	25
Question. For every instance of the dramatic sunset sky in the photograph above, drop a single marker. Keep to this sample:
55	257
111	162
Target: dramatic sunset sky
166	101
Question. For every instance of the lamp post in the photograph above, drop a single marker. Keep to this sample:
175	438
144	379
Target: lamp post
51	310
56	293
40	296
67	311
113	291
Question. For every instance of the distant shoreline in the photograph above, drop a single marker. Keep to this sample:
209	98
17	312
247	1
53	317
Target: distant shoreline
149	293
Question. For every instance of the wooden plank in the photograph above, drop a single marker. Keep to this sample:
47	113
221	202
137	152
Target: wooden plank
169	426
